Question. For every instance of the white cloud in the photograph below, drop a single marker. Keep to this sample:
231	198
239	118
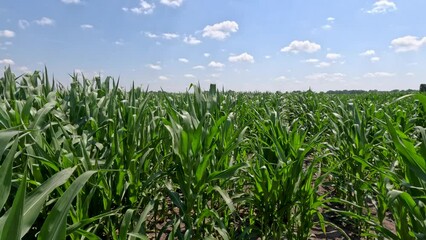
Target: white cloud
154	66
378	75
7	33
244	57
151	35
408	43
267	57
220	31
8	43
410	74
326	76
169	36
374	59
301	46
189	75
163	78
191	40
330	19
86	26
216	64
24	69
23	24
368	53
215	75
71	1
333	56
326	27
382	6
119	42
172	3
281	78
45	21
198	67
7	61
206	55
143	8
184	60
323	65
311	60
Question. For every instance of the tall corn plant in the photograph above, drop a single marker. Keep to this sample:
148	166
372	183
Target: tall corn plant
283	195
408	203
204	163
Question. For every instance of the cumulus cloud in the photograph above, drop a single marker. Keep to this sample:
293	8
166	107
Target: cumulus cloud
382	6
7	61
150	35
326	76
374	59
214	64
143	8
368	53
71	1
198	67
408	43
206	54
281	78
378	75
154	66
333	56
24	69
244	57
301	46
220	31
191	40
163	78
189	75
326	27
184	60
172	3
119	42
311	60
169	36
86	26
45	21
323	65
23	24
7	33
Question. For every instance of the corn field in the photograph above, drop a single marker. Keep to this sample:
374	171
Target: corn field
95	161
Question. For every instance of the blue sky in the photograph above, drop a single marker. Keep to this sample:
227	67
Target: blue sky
243	45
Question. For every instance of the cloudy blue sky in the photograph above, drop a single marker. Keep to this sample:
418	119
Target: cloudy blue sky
241	45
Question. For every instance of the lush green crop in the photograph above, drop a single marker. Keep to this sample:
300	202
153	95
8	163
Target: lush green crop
95	161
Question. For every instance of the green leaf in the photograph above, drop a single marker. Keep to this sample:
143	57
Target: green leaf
35	201
138	228
225	197
5	136
6	175
41	114
227	173
138	236
14	221
126	223
55	225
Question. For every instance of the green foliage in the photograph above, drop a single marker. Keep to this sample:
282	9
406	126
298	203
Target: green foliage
95	161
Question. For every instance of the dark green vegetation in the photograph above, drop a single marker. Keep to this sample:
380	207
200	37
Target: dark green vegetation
94	161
